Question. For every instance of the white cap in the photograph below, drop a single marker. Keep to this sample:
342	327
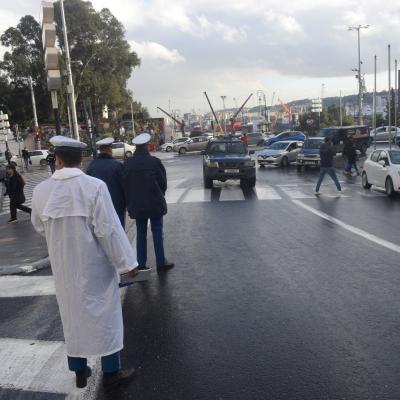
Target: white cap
105	142
67	143
143	138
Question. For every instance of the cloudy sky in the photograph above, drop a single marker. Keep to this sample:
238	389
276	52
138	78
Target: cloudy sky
237	47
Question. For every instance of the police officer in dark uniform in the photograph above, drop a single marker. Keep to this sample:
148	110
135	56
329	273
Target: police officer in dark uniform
145	184
109	170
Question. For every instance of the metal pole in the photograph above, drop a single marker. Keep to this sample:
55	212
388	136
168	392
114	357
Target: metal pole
374	104
133	122
19	147
395	93
389	100
360	118
223	103
71	90
35	119
340	108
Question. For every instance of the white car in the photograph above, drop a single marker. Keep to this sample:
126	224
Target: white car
279	153
37	158
122	150
382	169
170	145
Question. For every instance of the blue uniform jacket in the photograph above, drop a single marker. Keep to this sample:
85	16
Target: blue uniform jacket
107	169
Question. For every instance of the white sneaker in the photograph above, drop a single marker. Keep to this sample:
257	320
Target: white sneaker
317	193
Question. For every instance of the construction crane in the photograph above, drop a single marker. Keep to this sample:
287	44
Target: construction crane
219	127
181	124
238	111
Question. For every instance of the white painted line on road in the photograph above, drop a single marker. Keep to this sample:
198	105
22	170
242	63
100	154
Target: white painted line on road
350	228
294	193
26	286
173	183
35	365
231	193
197	195
267	193
173	195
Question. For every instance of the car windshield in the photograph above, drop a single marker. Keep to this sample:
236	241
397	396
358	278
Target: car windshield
395	156
227	147
312	144
278	146
325	132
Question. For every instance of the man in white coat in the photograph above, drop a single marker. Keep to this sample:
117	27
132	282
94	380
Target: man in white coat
88	250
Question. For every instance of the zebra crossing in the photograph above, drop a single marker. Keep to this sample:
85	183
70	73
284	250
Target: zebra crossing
32	179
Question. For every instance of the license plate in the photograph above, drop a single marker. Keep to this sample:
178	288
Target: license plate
310	162
231	171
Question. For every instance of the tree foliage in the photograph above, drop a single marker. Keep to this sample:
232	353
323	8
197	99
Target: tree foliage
101	58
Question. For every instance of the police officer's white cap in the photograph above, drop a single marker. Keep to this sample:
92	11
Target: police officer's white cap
141	139
67	144
105	142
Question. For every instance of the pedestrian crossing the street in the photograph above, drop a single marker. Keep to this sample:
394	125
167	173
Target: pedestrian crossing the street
32	179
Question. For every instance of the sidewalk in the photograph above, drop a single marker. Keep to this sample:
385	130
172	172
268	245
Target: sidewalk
22	249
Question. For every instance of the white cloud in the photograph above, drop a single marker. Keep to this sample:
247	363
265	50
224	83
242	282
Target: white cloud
151	51
285	22
207	28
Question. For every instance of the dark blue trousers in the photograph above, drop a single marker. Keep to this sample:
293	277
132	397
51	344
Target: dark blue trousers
158	240
109	364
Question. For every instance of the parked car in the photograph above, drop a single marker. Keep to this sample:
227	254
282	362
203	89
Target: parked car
382	169
198	143
383	133
279	153
3	163
286	135
37	158
359	134
256	139
309	153
227	158
170	145
122	150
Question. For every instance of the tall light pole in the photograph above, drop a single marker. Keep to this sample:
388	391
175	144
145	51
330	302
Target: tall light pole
359	76
340	108
396	95
223	103
389	99
70	89
374	105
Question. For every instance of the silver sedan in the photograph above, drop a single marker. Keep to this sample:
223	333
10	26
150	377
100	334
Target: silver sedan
279	153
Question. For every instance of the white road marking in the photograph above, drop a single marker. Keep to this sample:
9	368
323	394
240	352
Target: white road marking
294	193
197	195
267	193
25	286
36	365
231	193
173	196
350	228
173	183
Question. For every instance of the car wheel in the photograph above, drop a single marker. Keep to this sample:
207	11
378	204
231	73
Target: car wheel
300	168
364	148
208	183
43	163
284	162
168	149
389	187
364	181
262	166
182	150
128	154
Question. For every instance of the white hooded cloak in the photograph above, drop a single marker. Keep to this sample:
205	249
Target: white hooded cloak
88	249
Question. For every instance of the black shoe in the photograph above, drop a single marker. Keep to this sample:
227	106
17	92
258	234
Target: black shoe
81	377
166	267
143	268
12	220
114	379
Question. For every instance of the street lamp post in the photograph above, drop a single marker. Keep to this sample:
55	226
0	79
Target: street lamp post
360	86
223	103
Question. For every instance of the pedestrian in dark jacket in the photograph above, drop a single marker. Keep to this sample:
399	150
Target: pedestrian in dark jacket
26	157
327	152
51	160
107	169
15	190
145	184
350	152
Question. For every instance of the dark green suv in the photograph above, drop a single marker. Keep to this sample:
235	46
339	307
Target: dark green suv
228	158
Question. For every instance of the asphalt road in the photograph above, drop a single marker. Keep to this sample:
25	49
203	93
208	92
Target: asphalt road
276	294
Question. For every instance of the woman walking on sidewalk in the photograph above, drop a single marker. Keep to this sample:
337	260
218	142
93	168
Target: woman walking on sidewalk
15	190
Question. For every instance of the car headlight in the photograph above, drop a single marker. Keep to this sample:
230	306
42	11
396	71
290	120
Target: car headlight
276	155
250	163
212	164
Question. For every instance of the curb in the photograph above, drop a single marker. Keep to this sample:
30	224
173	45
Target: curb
17	269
